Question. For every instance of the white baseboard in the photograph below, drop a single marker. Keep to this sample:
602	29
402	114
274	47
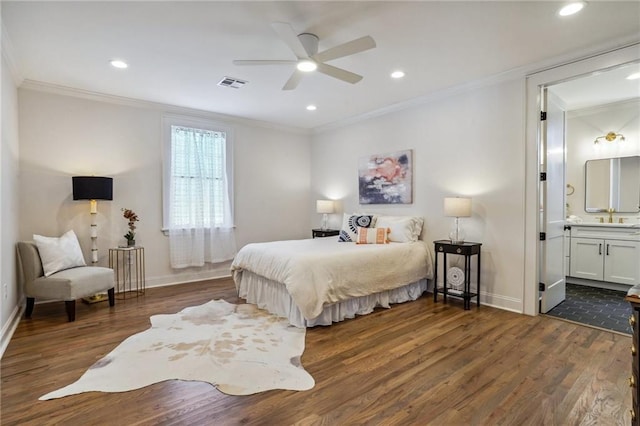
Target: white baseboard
10	328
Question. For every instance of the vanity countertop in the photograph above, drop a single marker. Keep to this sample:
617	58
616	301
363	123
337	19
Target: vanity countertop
606	225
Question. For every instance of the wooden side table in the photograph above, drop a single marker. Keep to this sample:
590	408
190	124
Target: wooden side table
128	267
324	232
466	249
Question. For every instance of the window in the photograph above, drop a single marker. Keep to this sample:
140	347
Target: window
197	169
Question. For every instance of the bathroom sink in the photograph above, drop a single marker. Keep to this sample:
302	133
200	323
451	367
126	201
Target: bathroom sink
607	225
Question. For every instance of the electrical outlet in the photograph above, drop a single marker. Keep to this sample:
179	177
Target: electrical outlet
5	289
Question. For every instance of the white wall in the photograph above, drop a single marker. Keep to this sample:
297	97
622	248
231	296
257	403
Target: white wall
583	126
8	201
62	136
467	144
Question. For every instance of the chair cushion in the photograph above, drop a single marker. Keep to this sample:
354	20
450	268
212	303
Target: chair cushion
72	284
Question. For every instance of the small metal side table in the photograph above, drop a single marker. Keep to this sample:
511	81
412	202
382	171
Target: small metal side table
466	249
128	267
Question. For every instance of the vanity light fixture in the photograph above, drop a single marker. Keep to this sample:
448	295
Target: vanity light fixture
609	137
572	8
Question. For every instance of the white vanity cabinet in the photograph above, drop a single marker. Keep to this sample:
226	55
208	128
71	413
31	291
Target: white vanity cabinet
605	253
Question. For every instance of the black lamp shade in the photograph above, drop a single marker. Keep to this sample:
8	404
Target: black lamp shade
92	188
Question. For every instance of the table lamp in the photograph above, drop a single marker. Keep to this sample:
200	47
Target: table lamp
457	207
325	207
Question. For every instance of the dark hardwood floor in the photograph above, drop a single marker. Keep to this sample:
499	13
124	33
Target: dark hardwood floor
416	363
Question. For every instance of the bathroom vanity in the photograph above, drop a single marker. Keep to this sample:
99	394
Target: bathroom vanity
608	252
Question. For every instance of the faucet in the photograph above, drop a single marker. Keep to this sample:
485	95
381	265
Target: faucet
610	211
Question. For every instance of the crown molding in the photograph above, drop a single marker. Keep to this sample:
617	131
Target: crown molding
56	89
513	74
596	109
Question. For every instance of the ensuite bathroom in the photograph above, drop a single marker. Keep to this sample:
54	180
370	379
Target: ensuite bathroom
601	240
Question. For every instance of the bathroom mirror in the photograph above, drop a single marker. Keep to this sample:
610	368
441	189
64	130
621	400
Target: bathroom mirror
612	183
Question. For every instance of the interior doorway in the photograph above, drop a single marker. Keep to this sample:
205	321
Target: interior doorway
575	71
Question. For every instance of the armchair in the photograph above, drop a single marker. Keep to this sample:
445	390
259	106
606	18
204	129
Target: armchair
67	285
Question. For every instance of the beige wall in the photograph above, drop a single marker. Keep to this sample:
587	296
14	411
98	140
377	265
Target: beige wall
8	201
466	144
62	136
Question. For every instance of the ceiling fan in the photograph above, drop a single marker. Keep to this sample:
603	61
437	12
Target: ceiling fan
305	47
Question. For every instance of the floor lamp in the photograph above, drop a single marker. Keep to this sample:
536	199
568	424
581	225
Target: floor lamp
93	188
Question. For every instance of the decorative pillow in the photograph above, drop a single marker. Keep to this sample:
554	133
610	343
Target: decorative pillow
404	229
350	224
372	236
58	254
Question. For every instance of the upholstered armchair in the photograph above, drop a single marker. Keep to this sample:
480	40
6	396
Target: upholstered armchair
68	285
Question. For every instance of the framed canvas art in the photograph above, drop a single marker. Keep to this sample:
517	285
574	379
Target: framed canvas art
386	178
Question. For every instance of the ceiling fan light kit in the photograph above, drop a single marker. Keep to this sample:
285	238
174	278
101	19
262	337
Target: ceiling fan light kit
305	47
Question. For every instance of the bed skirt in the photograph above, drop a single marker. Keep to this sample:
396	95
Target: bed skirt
274	298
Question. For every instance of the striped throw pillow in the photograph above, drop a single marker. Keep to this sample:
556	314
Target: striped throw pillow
373	236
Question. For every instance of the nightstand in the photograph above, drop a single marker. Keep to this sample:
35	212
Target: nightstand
466	249
324	232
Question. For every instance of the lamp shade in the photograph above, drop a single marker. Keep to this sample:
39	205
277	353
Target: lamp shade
457	207
92	188
324	206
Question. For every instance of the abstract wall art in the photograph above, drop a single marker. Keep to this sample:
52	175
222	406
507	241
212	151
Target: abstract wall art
386	178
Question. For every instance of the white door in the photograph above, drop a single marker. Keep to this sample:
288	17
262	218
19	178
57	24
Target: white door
552	190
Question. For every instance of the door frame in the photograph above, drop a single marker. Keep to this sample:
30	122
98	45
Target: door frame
534	82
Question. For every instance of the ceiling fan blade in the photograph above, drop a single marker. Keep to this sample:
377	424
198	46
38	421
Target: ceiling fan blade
293	81
354	46
263	62
339	73
289	36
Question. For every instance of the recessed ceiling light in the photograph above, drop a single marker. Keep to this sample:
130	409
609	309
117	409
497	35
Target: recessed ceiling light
572	8
397	74
118	63
307	66
634	76
311	108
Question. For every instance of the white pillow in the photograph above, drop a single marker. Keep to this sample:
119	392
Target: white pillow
58	254
404	229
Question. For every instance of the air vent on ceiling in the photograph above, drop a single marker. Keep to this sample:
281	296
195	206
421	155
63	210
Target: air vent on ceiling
232	82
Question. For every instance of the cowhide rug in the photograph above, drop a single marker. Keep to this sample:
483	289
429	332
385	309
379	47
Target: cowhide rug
239	349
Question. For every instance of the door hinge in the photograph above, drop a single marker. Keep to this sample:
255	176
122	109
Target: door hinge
541	286
543	176
543	115
543	236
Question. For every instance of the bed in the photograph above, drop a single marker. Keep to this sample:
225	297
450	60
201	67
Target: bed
323	280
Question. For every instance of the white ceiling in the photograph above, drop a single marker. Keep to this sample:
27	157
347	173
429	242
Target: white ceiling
179	51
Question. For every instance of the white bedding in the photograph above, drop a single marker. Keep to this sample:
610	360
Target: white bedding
321	271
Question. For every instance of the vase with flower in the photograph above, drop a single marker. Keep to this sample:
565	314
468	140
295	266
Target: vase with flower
132	218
